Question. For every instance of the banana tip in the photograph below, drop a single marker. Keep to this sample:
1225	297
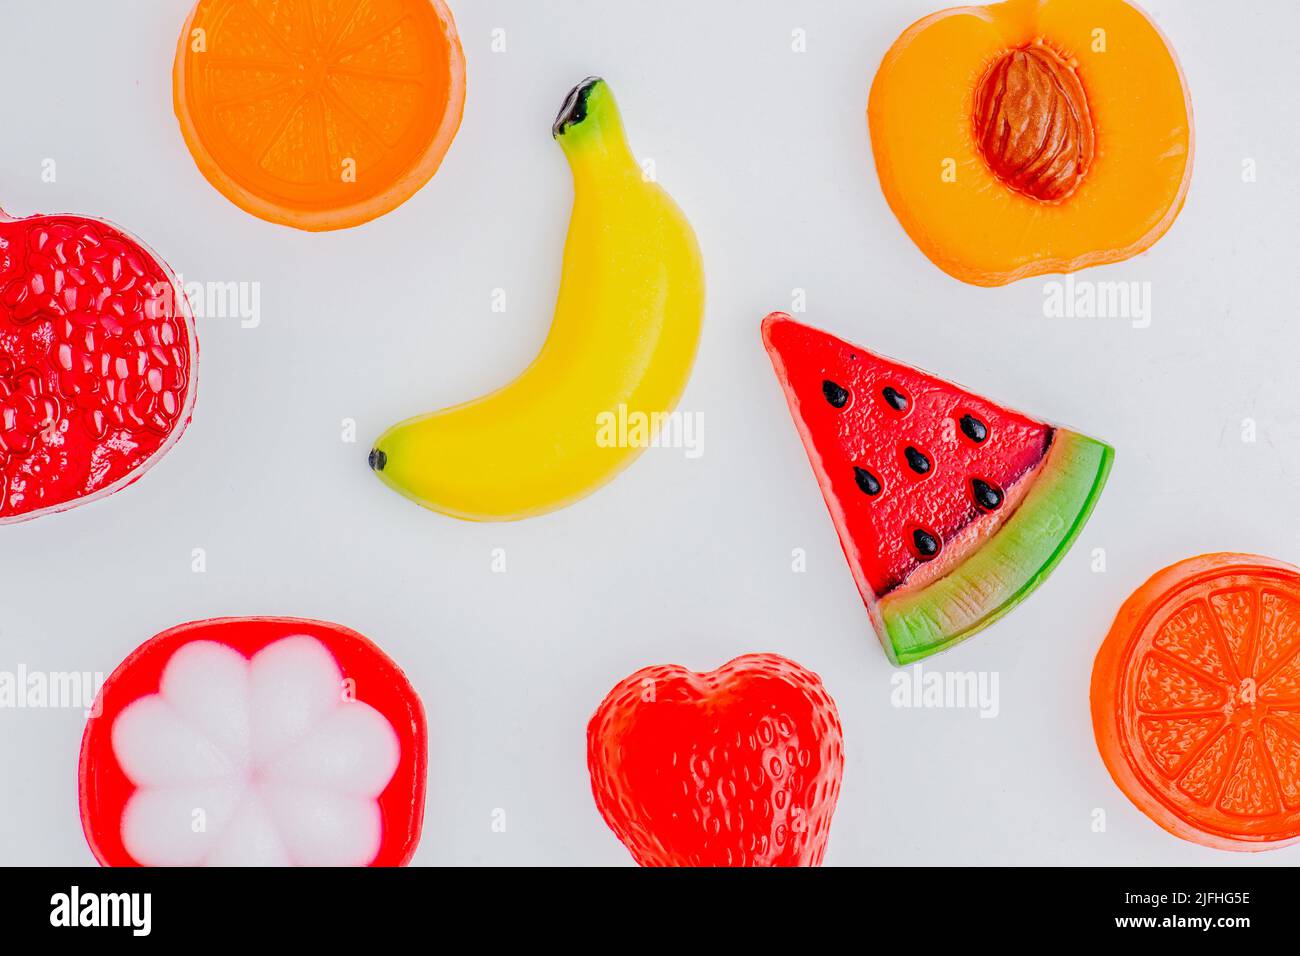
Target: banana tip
574	110
378	459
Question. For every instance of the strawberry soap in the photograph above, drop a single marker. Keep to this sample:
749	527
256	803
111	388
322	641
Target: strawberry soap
739	766
255	742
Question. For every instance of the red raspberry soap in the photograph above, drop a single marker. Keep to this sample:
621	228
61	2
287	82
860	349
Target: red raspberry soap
97	362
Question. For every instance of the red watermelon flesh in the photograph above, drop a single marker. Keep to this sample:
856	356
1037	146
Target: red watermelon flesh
97	351
921	475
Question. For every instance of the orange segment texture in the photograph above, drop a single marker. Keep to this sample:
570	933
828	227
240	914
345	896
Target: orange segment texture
947	195
319	114
1196	701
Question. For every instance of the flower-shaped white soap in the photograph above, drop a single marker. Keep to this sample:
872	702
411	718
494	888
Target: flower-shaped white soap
261	761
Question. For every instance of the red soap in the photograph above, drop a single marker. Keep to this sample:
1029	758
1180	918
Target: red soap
869	431
199	739
740	766
97	355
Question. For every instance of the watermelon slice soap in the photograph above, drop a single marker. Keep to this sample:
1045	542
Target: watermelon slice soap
950	508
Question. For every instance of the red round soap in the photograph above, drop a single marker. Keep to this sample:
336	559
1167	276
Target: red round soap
255	741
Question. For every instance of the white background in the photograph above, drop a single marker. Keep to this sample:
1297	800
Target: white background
678	560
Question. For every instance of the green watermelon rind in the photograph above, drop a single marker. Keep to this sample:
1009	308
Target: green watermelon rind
1006	568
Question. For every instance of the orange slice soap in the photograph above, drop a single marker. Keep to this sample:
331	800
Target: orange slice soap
319	114
1196	701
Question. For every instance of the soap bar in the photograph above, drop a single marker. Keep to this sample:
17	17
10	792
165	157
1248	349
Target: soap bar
319	115
740	766
97	362
1196	701
255	741
1032	136
602	389
950	508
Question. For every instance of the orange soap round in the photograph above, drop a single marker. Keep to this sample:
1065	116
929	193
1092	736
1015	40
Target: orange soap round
314	115
1196	701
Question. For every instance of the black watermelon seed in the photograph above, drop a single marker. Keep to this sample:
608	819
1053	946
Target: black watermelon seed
835	393
868	482
896	399
986	496
917	461
974	428
927	546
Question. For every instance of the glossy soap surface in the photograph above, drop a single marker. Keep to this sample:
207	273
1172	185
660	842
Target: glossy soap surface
740	766
1032	136
97	358
869	433
622	342
1196	701
950	508
255	741
285	769
319	115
